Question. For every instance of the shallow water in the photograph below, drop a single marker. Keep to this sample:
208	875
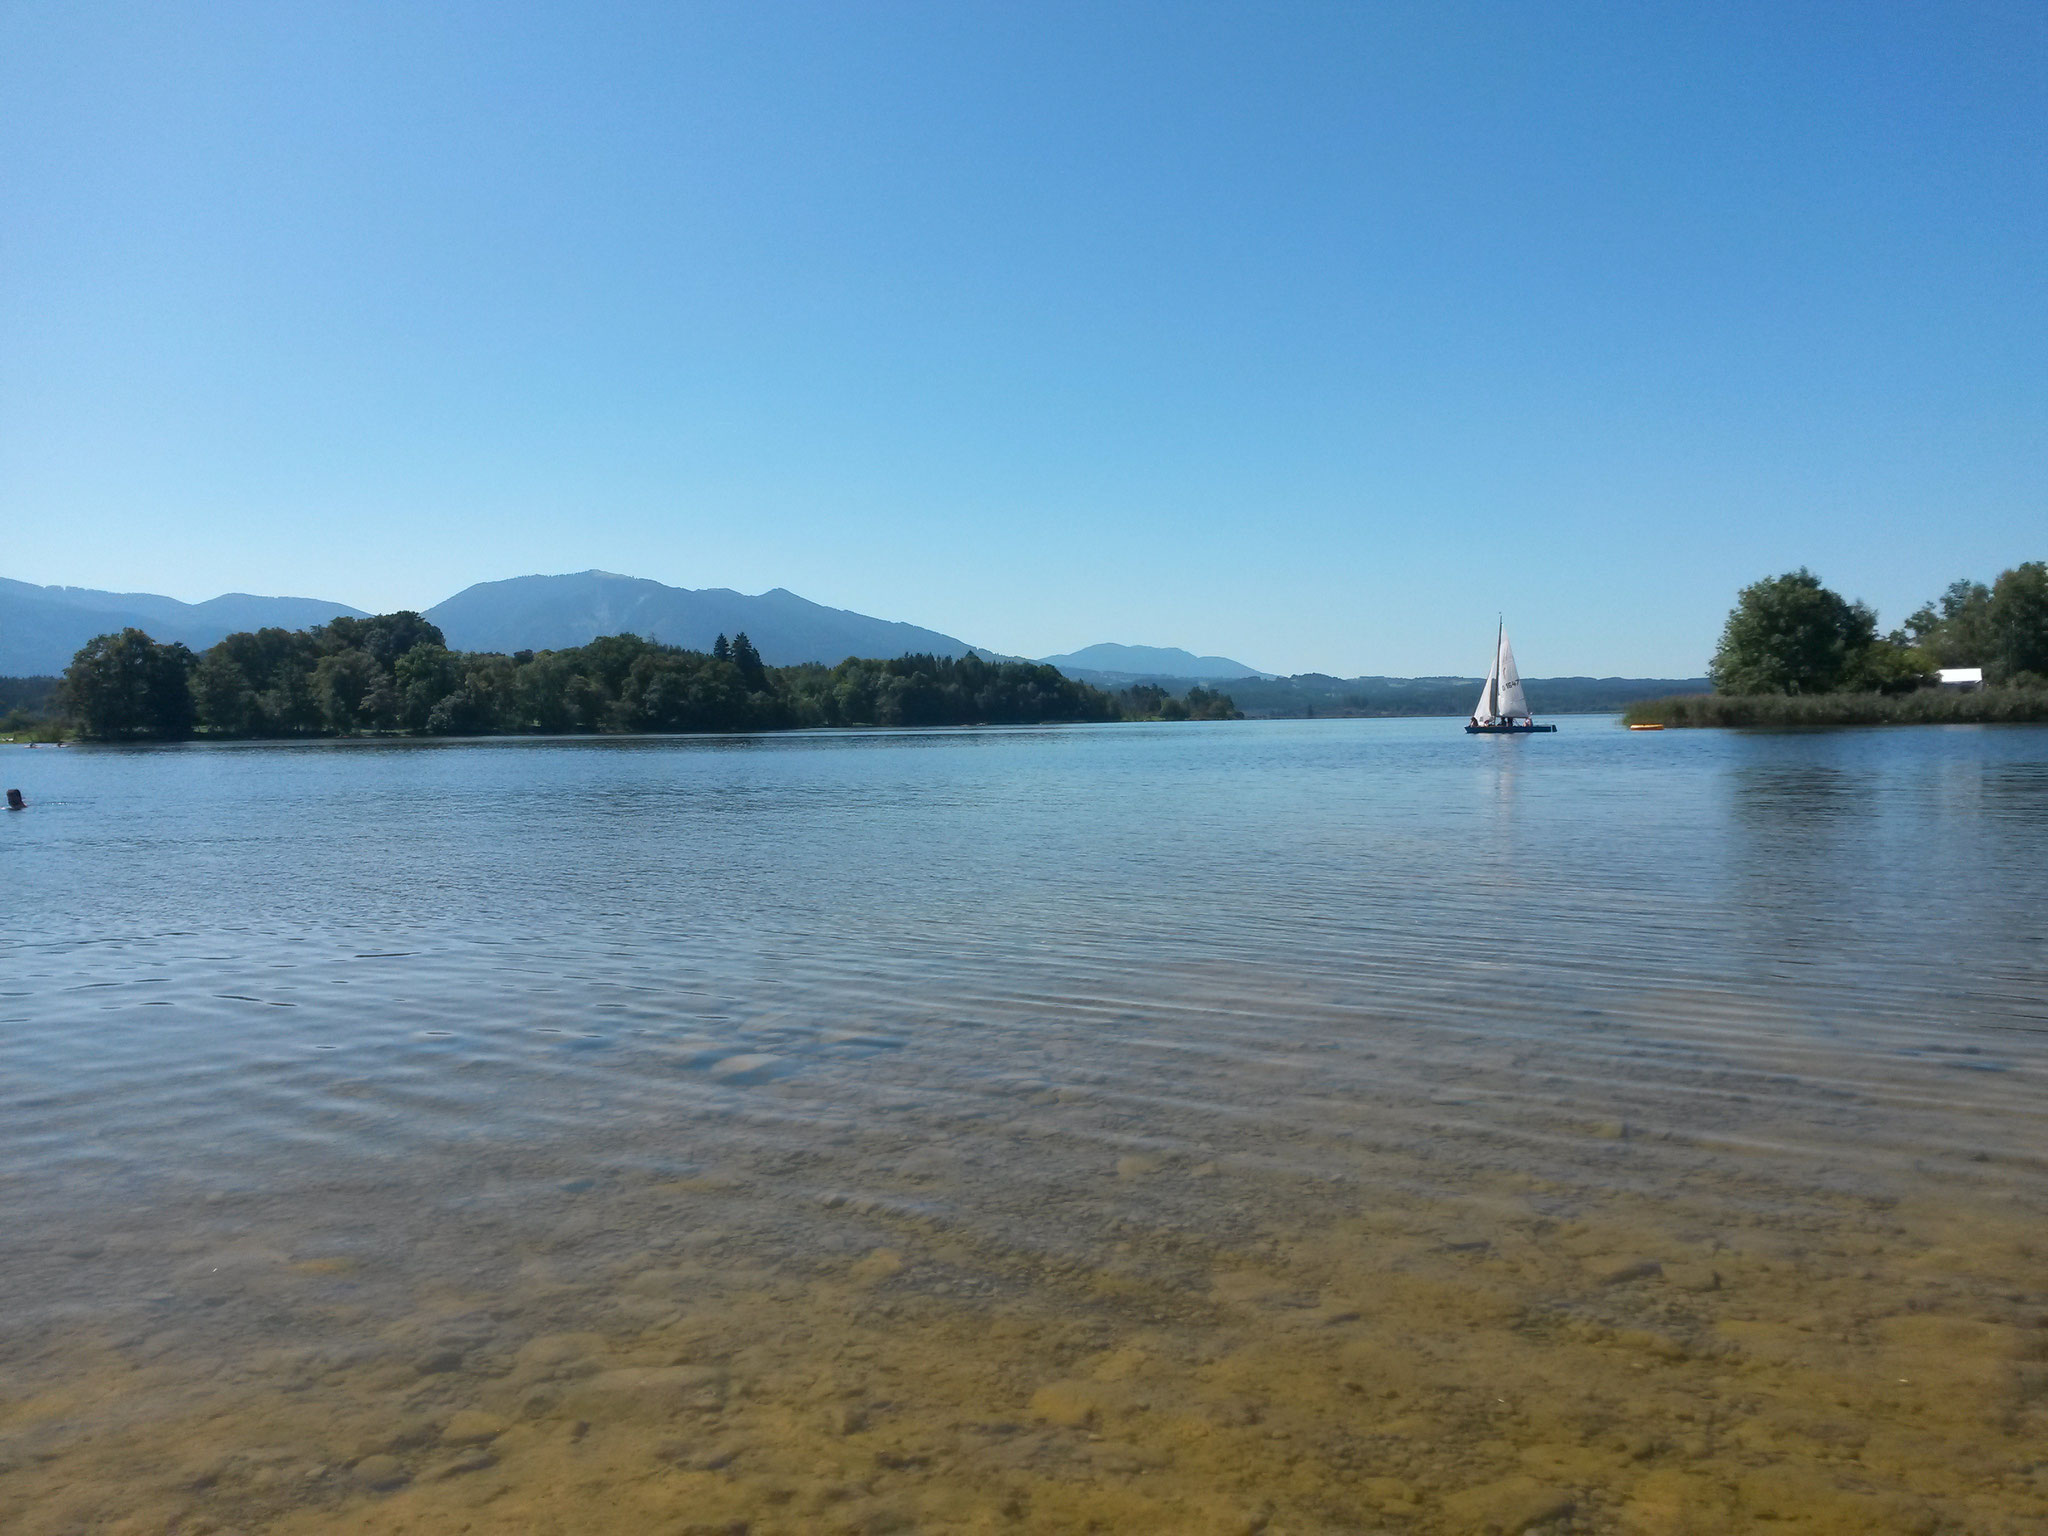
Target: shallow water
1312	1126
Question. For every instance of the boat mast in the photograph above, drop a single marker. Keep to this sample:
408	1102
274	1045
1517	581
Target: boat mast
1493	677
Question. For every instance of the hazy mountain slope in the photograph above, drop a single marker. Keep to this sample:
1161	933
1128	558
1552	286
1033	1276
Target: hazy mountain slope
41	628
1127	661
534	613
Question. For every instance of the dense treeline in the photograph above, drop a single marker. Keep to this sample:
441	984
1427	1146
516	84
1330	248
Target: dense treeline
1795	653
1791	635
394	673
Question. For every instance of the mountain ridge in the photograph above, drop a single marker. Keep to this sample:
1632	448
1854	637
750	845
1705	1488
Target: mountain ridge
536	613
1124	662
41	628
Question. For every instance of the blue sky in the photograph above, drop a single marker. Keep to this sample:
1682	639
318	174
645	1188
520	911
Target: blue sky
1308	334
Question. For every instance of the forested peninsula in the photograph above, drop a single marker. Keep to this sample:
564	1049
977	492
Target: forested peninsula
1795	653
394	674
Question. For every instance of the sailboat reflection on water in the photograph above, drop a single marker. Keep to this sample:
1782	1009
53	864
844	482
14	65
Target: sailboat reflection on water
1502	710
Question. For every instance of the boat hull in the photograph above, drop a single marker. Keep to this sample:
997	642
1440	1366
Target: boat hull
1507	730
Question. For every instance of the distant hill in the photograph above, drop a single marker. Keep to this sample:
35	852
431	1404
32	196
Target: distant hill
535	613
41	628
1125	663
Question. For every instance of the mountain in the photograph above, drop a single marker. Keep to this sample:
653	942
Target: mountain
41	628
539	613
1120	663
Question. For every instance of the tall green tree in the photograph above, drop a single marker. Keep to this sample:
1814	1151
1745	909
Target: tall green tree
290	705
127	686
1211	704
349	687
1888	666
422	678
1954	629
226	700
384	637
1790	634
2017	623
259	683
748	660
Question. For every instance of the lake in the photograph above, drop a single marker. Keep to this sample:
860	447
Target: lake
1301	1126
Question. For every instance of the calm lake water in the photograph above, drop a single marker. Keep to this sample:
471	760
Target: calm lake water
1333	1126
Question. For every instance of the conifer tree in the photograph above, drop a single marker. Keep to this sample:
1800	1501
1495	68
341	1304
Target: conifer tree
748	660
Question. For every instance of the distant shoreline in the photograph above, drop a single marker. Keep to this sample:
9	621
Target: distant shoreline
33	707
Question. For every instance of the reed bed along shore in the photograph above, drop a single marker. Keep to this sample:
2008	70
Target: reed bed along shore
1927	706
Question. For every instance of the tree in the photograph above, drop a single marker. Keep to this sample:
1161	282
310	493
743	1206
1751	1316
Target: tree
422	678
721	648
344	684
1210	704
461	713
1143	700
1954	629
586	703
2002	628
539	689
259	683
1886	666
748	660
127	686
609	658
226	701
492	682
1790	634
2016	623
290	706
389	636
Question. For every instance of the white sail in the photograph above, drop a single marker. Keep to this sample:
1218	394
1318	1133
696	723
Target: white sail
1512	705
1483	711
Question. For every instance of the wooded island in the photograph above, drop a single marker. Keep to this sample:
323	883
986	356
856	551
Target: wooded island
1795	653
394	674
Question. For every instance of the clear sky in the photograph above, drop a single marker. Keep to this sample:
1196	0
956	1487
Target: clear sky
1308	334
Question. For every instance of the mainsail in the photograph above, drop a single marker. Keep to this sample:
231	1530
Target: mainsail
1512	705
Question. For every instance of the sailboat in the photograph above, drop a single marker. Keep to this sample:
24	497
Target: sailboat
1502	710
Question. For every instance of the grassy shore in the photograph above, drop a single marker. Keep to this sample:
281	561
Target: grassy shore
37	733
1928	706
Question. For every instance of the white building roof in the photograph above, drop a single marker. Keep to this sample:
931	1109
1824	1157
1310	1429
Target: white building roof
1961	674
